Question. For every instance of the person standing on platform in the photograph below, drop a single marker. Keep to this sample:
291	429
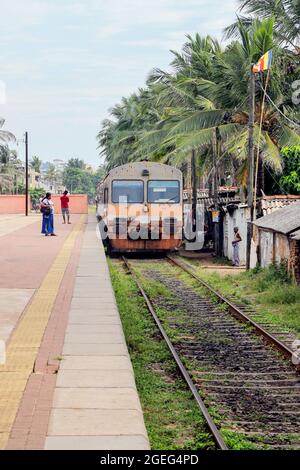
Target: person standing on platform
64	201
47	209
236	247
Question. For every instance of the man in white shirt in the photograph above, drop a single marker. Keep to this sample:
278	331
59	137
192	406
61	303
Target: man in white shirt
236	247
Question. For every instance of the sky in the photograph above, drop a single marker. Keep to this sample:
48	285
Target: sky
64	63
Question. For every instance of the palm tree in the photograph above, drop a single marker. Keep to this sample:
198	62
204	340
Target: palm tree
5	136
201	107
51	174
76	163
35	164
285	12
221	103
11	168
118	136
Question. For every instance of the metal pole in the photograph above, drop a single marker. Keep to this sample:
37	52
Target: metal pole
215	171
250	161
194	189
258	145
26	174
251	139
215	150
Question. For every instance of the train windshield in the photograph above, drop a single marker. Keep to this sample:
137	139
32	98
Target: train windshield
128	192
164	192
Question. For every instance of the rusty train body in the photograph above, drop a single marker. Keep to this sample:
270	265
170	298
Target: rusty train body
140	208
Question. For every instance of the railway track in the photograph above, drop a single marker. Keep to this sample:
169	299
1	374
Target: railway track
233	365
240	312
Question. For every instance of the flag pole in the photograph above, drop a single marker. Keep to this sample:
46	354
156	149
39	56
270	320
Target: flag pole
251	159
258	145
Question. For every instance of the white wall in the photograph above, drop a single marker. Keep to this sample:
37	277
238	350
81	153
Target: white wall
237	219
266	248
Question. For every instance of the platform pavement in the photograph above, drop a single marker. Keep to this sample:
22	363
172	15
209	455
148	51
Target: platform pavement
95	405
57	298
11	222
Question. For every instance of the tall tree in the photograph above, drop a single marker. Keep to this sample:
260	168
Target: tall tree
223	103
179	112
11	170
5	136
36	163
285	12
76	163
51	174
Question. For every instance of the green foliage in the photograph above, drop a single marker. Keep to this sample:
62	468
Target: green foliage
4	155
277	272
20	188
207	89
286	14
36	193
76	163
35	163
271	291
290	180
5	136
11	171
80	179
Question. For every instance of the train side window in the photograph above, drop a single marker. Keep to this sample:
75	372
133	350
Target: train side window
127	191
105	196
164	192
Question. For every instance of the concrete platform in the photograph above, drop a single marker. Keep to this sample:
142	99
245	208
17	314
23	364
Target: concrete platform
95	403
13	303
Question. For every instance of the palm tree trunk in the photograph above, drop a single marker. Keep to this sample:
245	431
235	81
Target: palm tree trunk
189	179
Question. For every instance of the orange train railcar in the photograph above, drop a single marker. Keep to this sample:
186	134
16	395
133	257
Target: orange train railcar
140	206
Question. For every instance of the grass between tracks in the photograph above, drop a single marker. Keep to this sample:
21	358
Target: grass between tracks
172	418
171	415
270	291
173	320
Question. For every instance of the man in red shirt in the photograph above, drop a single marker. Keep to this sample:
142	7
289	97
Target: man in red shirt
64	201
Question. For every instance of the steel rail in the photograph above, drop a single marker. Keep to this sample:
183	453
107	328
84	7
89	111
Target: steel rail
235	310
209	421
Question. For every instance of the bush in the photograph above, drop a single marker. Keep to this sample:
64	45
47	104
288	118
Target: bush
278	272
280	295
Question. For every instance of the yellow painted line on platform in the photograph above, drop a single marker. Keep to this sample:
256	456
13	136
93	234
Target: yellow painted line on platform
27	338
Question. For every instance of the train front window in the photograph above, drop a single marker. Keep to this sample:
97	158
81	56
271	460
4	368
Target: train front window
164	192
127	192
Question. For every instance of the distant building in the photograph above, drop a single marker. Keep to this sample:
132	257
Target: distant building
59	164
34	179
53	185
45	167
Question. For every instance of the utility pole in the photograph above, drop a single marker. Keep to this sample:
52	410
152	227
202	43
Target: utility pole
250	161
26	174
215	172
215	151
194	188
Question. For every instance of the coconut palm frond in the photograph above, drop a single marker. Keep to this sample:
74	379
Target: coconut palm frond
242	174
238	145
288	137
270	153
5	136
199	120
